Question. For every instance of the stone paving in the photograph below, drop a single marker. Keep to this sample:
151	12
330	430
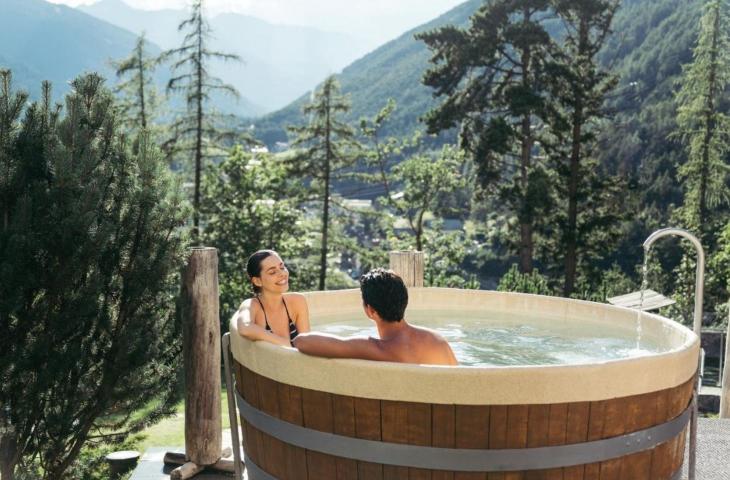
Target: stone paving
713	450
713	456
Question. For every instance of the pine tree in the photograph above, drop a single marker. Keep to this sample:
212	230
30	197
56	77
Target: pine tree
139	95
193	79
492	76
326	145
89	254
704	126
579	87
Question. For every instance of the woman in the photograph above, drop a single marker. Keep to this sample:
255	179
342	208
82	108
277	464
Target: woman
272	315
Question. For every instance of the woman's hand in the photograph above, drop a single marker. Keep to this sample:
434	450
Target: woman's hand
248	328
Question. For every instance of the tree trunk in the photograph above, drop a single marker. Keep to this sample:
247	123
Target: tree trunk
8	457
526	242
326	209
525	217
571	233
140	64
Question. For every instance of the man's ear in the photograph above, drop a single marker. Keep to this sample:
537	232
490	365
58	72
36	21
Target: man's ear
369	311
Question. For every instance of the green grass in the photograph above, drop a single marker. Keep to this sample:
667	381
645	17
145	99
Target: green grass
170	432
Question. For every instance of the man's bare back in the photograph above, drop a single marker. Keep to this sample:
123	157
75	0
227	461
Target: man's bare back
384	301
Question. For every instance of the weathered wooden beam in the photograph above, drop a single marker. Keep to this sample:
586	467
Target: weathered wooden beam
186	470
409	265
202	358
222	465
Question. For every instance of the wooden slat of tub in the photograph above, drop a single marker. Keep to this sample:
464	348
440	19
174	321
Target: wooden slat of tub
367	426
247	437
443	431
250	394
557	431
274	455
317	412
394	424
614	425
517	416
344	424
596	421
682	398
419	433
290	410
538	417
471	429
576	432
497	433
640	414
660	464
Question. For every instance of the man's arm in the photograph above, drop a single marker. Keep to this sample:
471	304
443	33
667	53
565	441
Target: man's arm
323	345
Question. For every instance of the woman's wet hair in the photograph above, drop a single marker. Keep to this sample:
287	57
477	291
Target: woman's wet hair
253	266
385	292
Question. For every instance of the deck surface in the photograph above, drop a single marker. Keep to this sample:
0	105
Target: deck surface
713	456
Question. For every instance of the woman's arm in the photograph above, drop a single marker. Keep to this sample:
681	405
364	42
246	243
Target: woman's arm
248	328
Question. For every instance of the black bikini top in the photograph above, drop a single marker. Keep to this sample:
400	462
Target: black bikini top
293	332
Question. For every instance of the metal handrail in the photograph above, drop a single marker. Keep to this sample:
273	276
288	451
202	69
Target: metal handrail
697	327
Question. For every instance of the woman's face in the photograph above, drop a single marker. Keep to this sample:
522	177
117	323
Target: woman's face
274	275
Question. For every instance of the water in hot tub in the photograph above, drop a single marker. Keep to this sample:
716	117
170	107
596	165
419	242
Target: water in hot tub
508	340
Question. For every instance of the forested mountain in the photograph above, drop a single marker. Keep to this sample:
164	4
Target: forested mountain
280	62
391	71
42	41
651	40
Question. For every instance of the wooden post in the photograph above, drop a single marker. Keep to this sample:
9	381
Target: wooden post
409	265
725	392
202	358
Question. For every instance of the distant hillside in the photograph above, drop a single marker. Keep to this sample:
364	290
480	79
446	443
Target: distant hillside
391	71
651	40
41	41
280	62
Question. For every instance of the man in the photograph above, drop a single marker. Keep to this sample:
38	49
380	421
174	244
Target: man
385	298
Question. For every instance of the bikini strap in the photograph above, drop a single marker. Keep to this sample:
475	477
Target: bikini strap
287	311
266	318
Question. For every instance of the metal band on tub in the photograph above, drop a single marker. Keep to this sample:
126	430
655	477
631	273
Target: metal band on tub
462	459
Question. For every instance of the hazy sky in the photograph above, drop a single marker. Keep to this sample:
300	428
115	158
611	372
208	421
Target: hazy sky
375	20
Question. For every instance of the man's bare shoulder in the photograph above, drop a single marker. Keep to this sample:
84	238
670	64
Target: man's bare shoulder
428	334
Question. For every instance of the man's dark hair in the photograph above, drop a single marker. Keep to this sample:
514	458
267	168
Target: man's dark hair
385	291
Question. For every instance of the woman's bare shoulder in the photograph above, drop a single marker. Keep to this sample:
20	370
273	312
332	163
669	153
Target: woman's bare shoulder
249	304
295	298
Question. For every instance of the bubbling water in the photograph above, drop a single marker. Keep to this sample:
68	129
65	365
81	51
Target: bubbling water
511	341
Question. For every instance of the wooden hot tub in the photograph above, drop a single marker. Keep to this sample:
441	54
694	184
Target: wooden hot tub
313	418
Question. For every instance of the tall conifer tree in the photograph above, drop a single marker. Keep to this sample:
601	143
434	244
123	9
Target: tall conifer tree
138	104
704	126
193	79
579	87
492	78
326	147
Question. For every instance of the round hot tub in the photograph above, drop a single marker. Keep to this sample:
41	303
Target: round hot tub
314	418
